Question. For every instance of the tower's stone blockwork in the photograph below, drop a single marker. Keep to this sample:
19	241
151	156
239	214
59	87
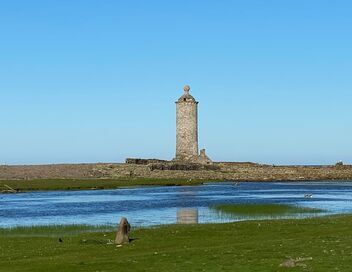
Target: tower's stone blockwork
187	130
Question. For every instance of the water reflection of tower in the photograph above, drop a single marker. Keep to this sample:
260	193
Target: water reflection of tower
187	212
187	216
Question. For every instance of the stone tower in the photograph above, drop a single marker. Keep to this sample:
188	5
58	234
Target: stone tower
187	130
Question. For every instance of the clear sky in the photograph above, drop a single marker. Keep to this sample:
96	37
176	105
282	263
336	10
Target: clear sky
96	81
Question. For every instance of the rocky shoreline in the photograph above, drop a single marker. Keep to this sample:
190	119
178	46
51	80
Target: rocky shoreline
171	170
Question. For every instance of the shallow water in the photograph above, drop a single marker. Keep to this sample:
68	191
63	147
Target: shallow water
147	206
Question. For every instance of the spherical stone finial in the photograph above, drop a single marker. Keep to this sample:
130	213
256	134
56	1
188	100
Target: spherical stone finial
186	88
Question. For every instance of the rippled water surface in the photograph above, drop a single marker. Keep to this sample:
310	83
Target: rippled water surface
146	206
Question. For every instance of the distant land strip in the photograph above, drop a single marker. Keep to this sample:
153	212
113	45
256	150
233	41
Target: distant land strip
224	171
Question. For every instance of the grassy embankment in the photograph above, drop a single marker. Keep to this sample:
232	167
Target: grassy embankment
90	184
317	244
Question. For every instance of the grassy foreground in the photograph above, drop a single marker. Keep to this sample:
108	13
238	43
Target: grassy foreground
263	209
89	184
319	244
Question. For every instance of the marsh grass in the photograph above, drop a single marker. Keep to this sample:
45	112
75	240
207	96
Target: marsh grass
263	210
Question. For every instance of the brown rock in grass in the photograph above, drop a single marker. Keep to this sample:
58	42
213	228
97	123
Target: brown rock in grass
288	263
122	232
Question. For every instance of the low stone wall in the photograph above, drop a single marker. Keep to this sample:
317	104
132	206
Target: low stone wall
143	161
219	171
182	166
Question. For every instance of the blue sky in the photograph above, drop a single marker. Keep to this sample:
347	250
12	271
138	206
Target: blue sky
96	81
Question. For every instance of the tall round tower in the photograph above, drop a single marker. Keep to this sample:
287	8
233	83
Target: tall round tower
186	127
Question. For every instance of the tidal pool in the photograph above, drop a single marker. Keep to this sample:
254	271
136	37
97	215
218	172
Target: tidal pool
148	206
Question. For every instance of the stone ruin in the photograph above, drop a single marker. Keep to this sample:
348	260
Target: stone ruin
187	156
187	130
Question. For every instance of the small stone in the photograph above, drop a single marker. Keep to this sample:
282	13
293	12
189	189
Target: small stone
288	263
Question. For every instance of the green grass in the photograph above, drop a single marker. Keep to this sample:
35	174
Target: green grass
52	230
324	244
263	209
90	184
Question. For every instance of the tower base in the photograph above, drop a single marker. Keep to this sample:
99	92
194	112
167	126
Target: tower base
202	158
